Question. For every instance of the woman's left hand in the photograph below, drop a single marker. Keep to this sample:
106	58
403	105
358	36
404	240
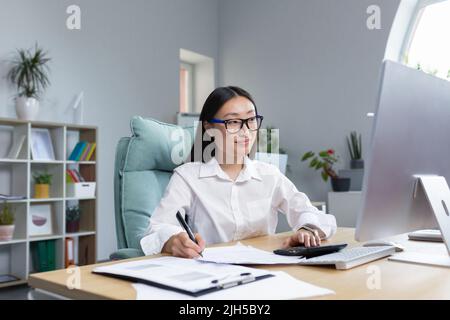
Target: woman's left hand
303	237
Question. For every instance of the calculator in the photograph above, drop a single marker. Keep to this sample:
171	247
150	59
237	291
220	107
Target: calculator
311	251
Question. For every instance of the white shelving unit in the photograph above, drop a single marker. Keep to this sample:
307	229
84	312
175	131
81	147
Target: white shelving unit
16	177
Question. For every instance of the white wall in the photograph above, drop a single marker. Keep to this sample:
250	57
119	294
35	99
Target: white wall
312	67
125	59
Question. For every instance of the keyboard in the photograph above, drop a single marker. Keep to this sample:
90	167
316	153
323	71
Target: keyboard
350	258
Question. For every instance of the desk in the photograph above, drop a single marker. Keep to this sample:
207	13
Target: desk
398	280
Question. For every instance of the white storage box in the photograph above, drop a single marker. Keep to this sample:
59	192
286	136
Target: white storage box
80	190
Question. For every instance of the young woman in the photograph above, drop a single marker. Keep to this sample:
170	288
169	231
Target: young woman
226	195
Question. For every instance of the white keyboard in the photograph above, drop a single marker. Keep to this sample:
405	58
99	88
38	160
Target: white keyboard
349	258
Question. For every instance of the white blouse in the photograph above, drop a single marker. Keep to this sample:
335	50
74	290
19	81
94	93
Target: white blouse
223	210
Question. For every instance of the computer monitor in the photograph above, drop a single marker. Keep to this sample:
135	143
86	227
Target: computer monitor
410	139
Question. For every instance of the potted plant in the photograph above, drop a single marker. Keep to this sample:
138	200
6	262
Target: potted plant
29	73
324	161
73	219
355	148
6	222
42	182
268	142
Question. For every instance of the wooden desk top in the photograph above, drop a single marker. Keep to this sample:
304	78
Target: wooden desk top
397	280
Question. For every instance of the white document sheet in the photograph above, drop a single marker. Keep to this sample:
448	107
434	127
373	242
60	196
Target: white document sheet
189	275
281	287
241	254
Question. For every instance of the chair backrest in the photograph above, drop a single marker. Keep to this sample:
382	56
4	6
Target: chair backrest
143	166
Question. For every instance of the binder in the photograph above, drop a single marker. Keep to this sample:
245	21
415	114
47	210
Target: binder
187	276
80	150
85	152
75	151
69	256
91	151
51	255
40	256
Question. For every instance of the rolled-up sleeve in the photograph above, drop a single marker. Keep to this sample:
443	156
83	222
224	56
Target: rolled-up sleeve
299	210
163	222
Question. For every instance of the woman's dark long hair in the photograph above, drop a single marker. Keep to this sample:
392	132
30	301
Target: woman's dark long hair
212	105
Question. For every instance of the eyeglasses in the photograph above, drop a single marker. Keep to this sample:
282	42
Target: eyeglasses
235	125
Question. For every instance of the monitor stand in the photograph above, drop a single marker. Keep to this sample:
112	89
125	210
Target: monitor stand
437	194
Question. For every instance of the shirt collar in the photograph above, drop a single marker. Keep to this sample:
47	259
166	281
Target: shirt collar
212	168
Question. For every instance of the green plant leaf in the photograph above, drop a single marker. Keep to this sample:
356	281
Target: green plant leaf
6	215
350	150
324	176
360	147
307	155
29	72
319	165
324	153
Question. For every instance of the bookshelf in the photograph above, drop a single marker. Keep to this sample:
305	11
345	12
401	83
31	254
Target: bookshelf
16	178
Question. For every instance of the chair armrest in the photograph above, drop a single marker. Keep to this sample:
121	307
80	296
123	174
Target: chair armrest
126	254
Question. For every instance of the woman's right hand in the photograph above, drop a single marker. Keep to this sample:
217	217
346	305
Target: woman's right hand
180	245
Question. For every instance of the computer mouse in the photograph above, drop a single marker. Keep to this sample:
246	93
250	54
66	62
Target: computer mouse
381	243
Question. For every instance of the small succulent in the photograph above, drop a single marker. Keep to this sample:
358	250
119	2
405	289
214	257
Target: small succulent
6	215
43	178
354	146
73	213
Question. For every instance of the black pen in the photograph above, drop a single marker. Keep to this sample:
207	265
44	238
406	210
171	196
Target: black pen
187	228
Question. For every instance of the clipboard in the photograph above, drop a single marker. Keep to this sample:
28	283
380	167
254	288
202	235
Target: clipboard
218	282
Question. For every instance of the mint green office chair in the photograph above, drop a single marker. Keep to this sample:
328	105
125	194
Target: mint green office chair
143	167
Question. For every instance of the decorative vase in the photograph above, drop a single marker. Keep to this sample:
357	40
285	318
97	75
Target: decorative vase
27	108
357	164
41	191
340	184
72	226
6	232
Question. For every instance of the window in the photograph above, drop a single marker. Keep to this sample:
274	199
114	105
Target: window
197	81
428	46
186	87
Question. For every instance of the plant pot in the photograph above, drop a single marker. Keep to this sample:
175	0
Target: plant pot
41	191
340	184
357	164
27	108
6	232
72	226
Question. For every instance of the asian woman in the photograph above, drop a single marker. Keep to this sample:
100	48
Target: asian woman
226	195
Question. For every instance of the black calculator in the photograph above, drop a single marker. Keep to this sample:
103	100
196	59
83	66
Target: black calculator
311	251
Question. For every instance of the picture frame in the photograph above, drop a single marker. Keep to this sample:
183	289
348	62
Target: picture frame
16	147
41	220
41	144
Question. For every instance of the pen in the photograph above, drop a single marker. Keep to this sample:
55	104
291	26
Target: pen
187	228
241	279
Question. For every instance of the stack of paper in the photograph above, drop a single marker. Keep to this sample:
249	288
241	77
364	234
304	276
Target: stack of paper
10	197
281	287
240	254
214	277
188	276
